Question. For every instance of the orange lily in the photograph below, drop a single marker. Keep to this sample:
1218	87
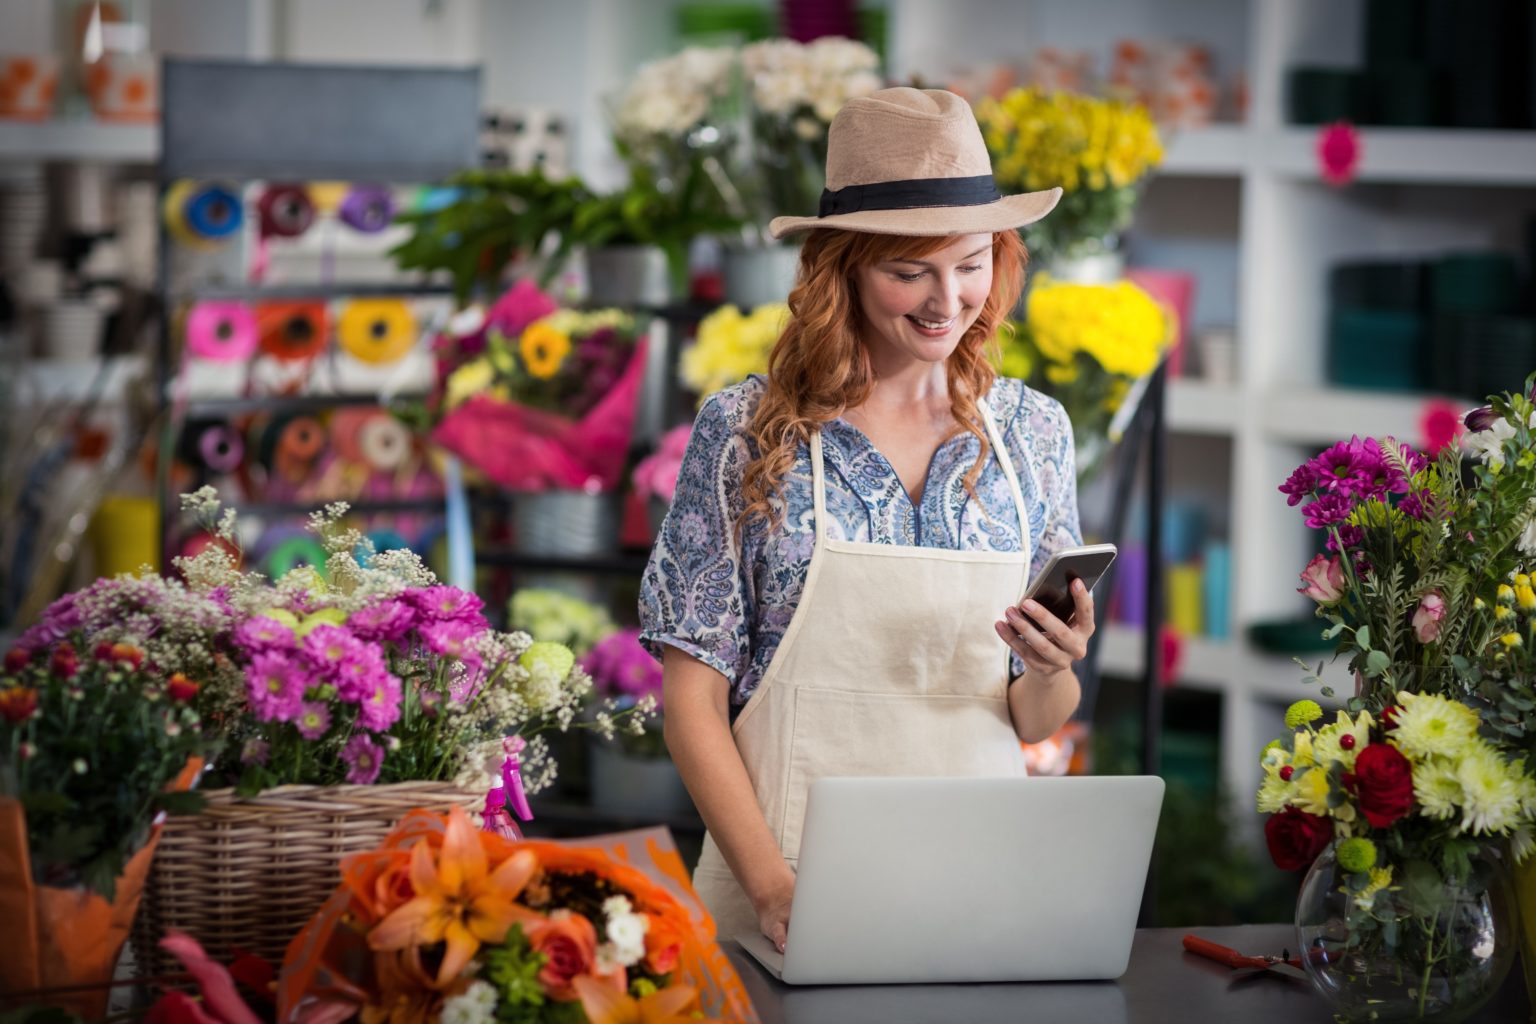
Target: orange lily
602	1005
457	899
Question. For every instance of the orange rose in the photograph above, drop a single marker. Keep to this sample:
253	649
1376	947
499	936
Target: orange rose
380	882
569	942
663	943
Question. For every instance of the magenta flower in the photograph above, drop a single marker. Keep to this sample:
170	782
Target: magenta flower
451	637
363	758
619	666
1336	467
380	709
275	686
448	604
1351	536
313	719
1412	504
1327	510
255	751
387	621
354	675
59	619
263	634
327	647
518	307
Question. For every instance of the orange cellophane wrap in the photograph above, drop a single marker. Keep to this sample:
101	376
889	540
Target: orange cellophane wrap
316	974
56	938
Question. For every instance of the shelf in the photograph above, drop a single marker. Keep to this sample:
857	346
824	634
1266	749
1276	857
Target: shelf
1323	416
1446	156
1221	150
85	139
237	405
310	290
358	506
608	565
1221	666
1200	407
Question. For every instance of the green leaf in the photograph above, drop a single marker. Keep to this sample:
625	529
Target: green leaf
1376	663
1423	888
1363	637
1333	631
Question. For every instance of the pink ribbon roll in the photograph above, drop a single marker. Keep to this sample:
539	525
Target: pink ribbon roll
221	449
222	332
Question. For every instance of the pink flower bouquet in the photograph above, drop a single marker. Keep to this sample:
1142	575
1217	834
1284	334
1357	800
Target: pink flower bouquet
656	475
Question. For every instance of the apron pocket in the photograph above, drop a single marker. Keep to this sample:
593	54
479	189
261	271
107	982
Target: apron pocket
877	735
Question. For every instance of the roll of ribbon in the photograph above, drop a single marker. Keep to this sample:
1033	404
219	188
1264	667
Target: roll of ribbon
292	331
377	331
221	332
327	195
385	443
220	448
385	539
346	427
202	214
285	211
301	439
288	549
368	208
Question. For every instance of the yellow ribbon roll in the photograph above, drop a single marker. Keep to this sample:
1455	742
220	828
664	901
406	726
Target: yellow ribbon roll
377	331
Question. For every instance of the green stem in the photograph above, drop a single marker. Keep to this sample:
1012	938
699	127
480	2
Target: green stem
1429	963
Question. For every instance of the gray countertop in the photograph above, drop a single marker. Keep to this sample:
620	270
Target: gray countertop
1163	985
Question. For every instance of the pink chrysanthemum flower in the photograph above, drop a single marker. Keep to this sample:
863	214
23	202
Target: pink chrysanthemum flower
386	621
448	604
263	634
451	638
313	719
380	709
355	674
327	647
363	758
276	687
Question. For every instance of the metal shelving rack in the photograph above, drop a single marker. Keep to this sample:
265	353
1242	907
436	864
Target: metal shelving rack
316	122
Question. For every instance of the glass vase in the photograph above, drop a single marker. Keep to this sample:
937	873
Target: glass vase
1422	948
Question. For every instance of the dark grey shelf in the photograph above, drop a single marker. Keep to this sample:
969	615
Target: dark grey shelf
222	292
621	564
362	506
237	405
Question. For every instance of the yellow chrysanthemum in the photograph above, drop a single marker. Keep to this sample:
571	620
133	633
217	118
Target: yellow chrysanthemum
731	346
1381	879
1428	724
1274	794
1525	597
1520	579
1119	326
1506	594
1040	140
1312	790
467	381
1510	640
1437	789
544	349
1328	748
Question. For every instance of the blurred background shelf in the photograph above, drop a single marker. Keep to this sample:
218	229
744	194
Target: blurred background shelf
1449	156
84	139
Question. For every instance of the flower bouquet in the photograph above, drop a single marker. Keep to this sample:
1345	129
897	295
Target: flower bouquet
794	90
535	397
556	616
445	922
1098	151
1406	911
1425	580
97	745
626	676
1087	345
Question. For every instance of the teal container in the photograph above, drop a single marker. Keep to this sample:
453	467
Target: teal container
1322	95
1379	284
1404	96
1377	349
1477	355
1474	282
1193	759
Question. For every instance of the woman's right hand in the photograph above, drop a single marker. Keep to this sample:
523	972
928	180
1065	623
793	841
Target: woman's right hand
773	911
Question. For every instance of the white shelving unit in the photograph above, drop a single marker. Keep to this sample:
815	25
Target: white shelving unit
1251	194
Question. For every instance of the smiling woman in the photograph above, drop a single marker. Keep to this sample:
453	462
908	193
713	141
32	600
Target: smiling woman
845	528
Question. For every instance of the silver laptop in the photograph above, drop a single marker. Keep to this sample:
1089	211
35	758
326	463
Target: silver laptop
967	880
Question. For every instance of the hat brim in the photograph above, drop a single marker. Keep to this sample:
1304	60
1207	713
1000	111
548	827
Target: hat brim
1007	212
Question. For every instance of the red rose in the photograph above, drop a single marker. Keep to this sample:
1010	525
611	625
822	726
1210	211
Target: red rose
1295	838
1383	784
1389	717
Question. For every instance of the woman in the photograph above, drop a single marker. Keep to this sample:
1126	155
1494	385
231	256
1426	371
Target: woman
843	531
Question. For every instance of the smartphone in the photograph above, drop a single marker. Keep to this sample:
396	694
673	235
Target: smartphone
1053	587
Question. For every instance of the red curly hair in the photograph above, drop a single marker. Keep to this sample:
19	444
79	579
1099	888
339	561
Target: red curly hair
820	366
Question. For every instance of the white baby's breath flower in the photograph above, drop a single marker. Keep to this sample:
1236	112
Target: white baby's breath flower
475	1005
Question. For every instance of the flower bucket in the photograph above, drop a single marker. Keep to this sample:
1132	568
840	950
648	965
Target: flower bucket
646	787
55	938
1525	899
572	524
759	274
627	276
246	873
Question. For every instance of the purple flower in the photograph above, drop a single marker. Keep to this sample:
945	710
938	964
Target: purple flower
276	687
1412	504
1351	536
1336	468
1327	510
451	637
355	674
619	665
380	709
327	647
1481	418
386	621
263	634
364	758
255	751
313	719
58	620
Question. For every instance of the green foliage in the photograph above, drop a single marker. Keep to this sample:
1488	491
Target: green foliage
498	217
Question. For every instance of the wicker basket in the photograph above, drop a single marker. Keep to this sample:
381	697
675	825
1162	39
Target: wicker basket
246	874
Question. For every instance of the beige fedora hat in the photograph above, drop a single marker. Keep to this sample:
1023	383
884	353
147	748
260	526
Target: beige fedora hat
912	162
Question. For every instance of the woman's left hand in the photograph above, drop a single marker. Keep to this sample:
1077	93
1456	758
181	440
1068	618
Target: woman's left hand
1047	644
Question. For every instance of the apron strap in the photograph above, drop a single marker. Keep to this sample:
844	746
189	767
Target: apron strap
1006	462
818	484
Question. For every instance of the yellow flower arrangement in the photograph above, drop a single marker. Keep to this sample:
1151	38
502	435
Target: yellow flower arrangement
1085	344
544	349
1096	150
731	345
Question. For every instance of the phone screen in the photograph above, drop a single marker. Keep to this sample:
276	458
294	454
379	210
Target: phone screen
1053	587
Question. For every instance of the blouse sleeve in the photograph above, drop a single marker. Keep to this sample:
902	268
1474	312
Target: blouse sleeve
697	593
1041	436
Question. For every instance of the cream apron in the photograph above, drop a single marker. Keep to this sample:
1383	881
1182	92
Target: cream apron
890	666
